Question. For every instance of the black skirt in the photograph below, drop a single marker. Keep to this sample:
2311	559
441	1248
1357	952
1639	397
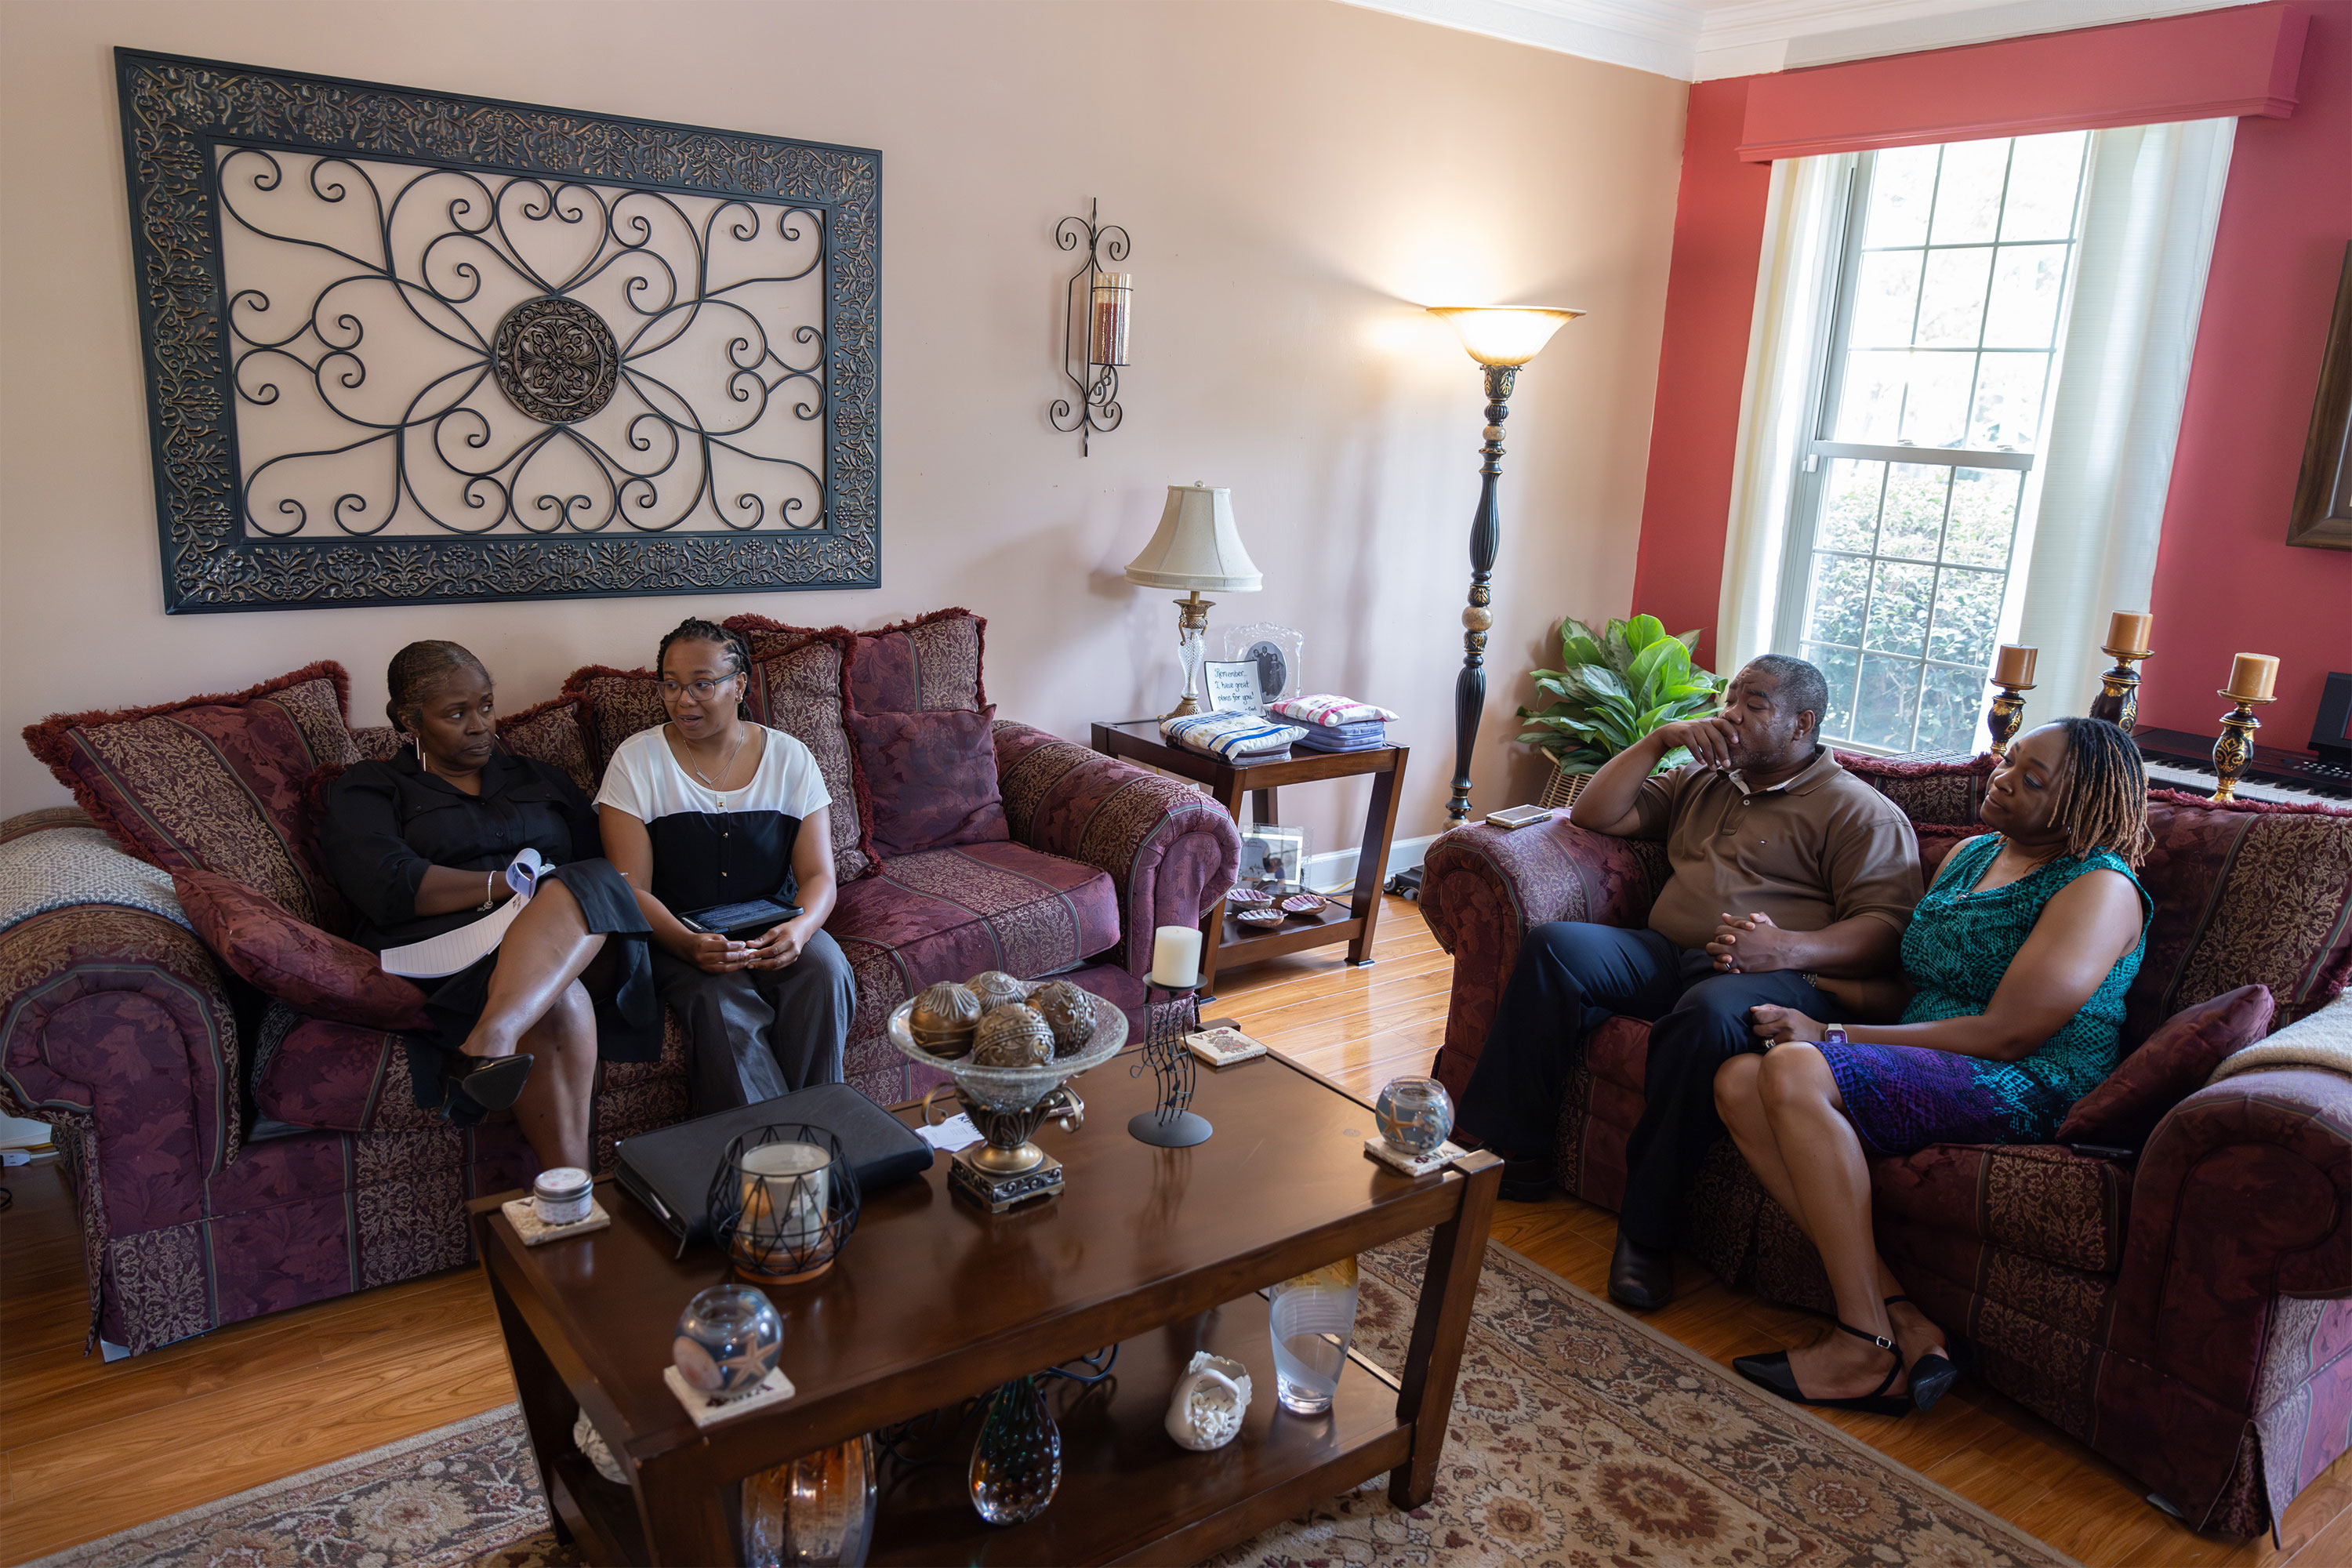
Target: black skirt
628	1009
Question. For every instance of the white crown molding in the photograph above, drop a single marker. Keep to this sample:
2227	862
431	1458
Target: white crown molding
1702	41
1656	35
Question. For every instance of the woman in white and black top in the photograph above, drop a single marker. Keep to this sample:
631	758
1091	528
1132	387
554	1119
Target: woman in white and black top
713	809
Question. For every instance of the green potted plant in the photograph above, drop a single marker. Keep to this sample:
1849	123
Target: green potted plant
1611	689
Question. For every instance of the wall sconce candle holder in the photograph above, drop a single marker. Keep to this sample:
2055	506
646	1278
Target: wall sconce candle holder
1096	310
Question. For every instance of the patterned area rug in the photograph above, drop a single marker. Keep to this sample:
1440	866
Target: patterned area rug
1580	1439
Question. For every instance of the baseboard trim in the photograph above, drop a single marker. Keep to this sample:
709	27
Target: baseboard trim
1335	871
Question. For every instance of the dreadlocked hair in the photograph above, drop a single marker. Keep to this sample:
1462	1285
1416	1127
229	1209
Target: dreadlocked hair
2103	799
415	671
693	629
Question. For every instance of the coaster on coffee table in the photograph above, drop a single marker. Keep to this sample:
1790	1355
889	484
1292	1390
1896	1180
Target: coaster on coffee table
533	1230
1222	1048
773	1390
1396	1159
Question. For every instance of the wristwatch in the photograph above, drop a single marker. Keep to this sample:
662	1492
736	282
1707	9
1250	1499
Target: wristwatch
1834	1033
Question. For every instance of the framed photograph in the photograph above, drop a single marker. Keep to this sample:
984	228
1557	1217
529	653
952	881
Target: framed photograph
1275	651
1273	859
1234	687
2323	497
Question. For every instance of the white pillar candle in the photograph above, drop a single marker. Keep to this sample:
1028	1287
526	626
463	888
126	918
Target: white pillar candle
1176	957
785	1189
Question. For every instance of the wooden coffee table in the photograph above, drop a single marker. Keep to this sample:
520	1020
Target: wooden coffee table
1160	1251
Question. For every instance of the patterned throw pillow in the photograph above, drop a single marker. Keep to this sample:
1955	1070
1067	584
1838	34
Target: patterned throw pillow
1946	787
214	784
2173	1065
802	693
300	965
932	778
924	665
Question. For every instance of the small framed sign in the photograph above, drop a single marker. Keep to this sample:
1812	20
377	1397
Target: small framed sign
1233	687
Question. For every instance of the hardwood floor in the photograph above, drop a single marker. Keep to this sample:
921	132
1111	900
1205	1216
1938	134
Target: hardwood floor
88	1449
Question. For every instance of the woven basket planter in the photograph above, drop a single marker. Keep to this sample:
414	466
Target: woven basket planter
1561	789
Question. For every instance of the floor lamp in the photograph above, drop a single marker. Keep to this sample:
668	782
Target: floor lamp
1502	339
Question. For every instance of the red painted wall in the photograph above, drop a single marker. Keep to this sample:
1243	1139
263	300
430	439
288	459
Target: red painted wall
2225	578
1702	360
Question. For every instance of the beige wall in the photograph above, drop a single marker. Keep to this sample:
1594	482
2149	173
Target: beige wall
1298	176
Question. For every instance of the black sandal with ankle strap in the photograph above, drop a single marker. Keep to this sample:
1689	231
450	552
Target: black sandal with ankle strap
473	1086
1933	1374
1773	1372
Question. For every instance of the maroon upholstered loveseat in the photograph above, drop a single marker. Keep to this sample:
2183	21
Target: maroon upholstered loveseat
2187	1313
235	1155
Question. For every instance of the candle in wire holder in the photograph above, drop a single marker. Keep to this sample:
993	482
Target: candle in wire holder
1171	1124
2118	699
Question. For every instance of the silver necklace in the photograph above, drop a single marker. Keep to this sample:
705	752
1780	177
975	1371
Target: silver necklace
708	781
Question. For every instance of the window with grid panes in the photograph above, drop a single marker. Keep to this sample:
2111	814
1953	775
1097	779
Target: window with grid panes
1908	508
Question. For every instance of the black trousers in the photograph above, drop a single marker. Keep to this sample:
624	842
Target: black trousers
1571	978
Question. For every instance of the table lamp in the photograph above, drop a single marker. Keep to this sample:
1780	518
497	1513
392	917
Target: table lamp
1197	547
1502	338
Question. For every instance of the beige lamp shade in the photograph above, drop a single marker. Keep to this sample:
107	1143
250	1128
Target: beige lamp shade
1504	334
1197	546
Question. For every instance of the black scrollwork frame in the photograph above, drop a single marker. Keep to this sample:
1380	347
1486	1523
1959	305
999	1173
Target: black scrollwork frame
177	111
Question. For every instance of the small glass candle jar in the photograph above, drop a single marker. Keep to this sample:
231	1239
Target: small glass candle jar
563	1197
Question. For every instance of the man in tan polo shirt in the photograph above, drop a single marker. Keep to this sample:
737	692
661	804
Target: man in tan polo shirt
1784	866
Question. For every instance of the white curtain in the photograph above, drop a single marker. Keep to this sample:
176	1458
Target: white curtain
1794	288
2147	239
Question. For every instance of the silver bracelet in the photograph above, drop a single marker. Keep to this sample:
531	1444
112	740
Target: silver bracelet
490	890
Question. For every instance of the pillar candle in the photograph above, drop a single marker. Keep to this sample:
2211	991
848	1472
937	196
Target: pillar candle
785	1193
2014	664
1176	957
2127	633
2251	677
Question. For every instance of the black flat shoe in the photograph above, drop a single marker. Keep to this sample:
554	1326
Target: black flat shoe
1642	1278
1933	1374
1525	1181
1773	1372
480	1085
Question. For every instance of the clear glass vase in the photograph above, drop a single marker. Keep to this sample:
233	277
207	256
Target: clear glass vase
816	1511
1312	1318
1016	1466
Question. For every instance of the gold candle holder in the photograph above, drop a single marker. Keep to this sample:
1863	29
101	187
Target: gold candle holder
2118	699
2233	747
2007	715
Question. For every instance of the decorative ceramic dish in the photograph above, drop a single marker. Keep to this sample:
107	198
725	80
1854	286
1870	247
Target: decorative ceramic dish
1260	916
1243	897
1302	904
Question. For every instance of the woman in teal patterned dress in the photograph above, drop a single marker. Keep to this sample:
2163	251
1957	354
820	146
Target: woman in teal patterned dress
2007	1011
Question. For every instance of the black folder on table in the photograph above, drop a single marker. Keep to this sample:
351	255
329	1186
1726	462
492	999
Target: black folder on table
669	1170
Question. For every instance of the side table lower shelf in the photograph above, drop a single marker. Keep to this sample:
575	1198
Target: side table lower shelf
1129	1493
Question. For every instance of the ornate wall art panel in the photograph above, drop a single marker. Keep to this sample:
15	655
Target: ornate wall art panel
405	348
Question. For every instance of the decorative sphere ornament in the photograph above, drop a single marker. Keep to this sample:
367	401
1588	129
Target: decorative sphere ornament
944	1017
996	989
1013	1037
728	1341
1415	1114
1070	1011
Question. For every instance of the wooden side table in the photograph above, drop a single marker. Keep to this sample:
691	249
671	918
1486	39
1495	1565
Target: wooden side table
1138	739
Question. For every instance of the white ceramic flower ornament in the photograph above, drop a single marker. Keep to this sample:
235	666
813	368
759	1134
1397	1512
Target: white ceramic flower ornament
1206	1412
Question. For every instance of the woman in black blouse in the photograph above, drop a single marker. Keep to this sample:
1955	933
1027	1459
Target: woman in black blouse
418	846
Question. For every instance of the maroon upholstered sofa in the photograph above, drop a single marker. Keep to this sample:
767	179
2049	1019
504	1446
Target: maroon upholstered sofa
2187	1313
235	1155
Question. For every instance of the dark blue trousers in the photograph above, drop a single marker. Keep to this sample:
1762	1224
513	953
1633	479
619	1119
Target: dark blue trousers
1570	976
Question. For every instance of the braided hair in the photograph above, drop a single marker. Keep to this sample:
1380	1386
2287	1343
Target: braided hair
695	629
415	671
2103	799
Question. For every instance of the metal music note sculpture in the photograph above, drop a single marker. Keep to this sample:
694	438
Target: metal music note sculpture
1172	1123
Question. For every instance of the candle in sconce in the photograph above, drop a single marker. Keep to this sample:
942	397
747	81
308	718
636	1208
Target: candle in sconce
1176	957
1111	300
2252	677
2014	664
2127	633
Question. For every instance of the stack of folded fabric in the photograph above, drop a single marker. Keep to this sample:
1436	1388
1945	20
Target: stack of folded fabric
1236	737
1337	724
